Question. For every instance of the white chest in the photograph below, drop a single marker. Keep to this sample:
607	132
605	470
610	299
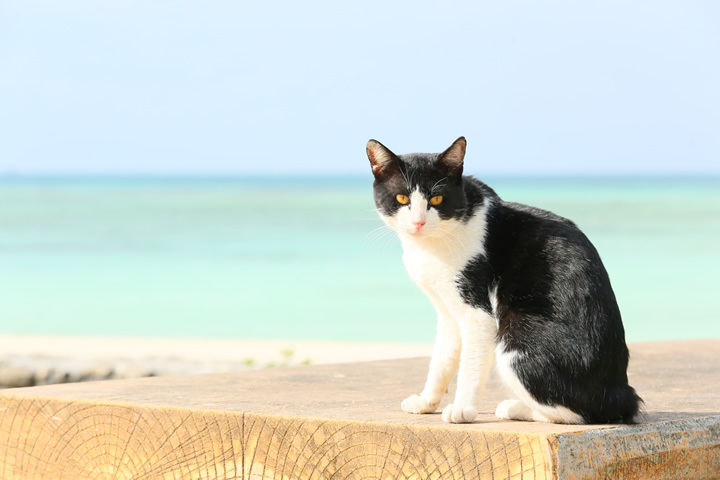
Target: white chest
435	264
431	272
437	274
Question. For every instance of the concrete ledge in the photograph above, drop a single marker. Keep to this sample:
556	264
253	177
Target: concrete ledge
343	421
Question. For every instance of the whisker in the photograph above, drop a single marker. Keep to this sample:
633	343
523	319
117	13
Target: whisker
377	233
437	185
379	238
386	242
455	237
389	242
405	177
452	240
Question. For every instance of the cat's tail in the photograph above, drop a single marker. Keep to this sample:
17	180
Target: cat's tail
620	404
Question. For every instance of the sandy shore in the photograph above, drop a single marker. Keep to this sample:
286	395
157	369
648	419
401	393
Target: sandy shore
38	360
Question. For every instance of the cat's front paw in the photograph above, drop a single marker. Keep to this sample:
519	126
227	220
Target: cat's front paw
459	414
417	404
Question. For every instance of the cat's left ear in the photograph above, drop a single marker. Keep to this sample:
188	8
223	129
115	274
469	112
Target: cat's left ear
454	156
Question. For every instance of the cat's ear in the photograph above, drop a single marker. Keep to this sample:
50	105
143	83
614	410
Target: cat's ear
382	160
454	156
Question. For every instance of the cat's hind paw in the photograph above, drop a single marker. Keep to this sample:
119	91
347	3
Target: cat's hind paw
517	410
417	404
457	414
513	410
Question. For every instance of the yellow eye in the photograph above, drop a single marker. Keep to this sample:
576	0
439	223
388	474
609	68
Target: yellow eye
402	199
436	200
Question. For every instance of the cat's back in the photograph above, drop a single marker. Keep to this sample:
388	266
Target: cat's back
544	264
516	217
535	260
515	230
511	225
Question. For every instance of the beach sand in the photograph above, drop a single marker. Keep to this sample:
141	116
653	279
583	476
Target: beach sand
38	360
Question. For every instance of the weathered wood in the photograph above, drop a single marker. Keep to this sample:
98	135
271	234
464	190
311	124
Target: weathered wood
343	421
83	439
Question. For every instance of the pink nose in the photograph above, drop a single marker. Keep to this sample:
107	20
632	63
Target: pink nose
418	225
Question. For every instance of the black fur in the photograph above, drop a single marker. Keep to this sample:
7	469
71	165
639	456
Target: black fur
555	304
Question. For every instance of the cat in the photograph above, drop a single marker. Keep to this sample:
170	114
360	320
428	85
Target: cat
512	285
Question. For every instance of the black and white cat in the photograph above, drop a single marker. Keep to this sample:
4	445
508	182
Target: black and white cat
512	285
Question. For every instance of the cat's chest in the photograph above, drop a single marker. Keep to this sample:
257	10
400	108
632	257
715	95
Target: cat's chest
436	265
432	270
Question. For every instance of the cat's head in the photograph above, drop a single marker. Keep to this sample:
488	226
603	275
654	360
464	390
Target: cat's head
417	193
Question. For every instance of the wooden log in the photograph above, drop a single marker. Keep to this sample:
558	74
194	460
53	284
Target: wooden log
344	422
84	439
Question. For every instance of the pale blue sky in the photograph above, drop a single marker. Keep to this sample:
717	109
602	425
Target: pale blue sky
298	87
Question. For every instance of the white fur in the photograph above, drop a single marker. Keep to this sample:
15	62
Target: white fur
492	294
434	256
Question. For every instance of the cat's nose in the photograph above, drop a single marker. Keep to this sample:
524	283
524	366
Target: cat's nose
418	225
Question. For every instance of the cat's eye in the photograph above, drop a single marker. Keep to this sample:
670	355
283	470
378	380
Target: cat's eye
436	200
402	199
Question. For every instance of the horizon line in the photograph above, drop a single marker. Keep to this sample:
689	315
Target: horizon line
10	174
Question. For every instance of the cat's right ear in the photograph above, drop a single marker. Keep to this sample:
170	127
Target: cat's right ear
454	157
382	160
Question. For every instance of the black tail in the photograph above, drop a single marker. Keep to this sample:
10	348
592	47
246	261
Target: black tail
619	404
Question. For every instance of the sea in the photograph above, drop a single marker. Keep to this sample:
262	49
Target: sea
307	258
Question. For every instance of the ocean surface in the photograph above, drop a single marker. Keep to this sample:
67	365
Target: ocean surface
305	258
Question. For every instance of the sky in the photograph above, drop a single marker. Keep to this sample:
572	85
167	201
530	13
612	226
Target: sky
235	87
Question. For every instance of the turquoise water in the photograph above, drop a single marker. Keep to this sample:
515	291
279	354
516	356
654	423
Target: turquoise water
295	258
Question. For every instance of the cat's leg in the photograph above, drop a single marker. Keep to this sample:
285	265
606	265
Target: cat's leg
478	331
527	408
517	410
514	410
443	366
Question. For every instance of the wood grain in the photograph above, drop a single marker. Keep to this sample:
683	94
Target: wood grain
88	440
